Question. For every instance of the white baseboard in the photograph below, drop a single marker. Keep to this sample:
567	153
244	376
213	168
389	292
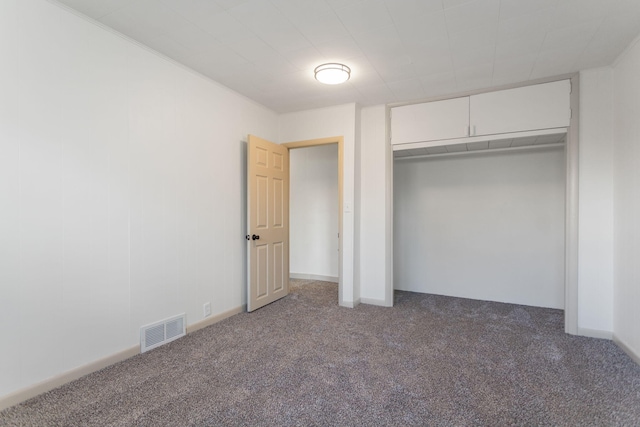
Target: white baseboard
374	301
349	304
632	354
595	333
207	321
303	276
66	377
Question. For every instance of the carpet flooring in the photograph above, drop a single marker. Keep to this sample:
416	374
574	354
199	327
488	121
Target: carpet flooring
305	361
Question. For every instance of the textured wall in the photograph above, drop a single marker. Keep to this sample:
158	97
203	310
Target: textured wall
121	192
626	201
322	123
595	234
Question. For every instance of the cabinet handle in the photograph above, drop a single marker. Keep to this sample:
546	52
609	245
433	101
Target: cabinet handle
468	130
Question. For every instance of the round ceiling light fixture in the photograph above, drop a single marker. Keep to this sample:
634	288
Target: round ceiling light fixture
332	73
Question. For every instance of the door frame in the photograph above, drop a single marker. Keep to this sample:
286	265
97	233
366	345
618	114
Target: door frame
315	143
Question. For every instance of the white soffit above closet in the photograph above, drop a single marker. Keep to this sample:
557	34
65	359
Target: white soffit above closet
398	50
485	146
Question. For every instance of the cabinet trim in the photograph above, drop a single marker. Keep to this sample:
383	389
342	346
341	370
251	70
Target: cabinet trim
466	140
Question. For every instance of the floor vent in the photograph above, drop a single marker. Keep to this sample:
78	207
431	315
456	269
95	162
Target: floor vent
156	334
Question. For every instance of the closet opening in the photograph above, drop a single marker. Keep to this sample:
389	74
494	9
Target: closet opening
483	220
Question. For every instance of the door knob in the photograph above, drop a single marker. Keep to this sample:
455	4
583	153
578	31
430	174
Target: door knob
255	237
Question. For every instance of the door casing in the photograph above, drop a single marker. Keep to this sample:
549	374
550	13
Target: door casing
326	141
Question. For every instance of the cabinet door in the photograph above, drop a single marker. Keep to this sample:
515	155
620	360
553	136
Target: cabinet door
430	121
541	106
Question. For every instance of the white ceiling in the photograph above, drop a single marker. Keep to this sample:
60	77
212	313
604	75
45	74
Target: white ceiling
398	50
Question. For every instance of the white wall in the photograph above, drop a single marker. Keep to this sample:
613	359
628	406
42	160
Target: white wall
322	123
357	208
626	297
484	226
376	259
595	210
313	211
121	192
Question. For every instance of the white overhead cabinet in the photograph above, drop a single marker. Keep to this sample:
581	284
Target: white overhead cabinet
543	106
481	117
431	121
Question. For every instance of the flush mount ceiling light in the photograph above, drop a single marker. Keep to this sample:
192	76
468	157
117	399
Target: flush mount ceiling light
332	73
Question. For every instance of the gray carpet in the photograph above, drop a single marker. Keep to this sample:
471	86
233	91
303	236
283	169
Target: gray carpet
304	361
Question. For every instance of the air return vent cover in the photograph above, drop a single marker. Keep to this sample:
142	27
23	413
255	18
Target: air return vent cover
162	332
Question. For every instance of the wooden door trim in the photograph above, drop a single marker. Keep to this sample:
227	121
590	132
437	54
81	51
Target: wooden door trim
327	141
313	142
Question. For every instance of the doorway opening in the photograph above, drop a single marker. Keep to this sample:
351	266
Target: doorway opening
315	210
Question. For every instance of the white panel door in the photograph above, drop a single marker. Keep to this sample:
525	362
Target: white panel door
430	121
541	106
268	222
